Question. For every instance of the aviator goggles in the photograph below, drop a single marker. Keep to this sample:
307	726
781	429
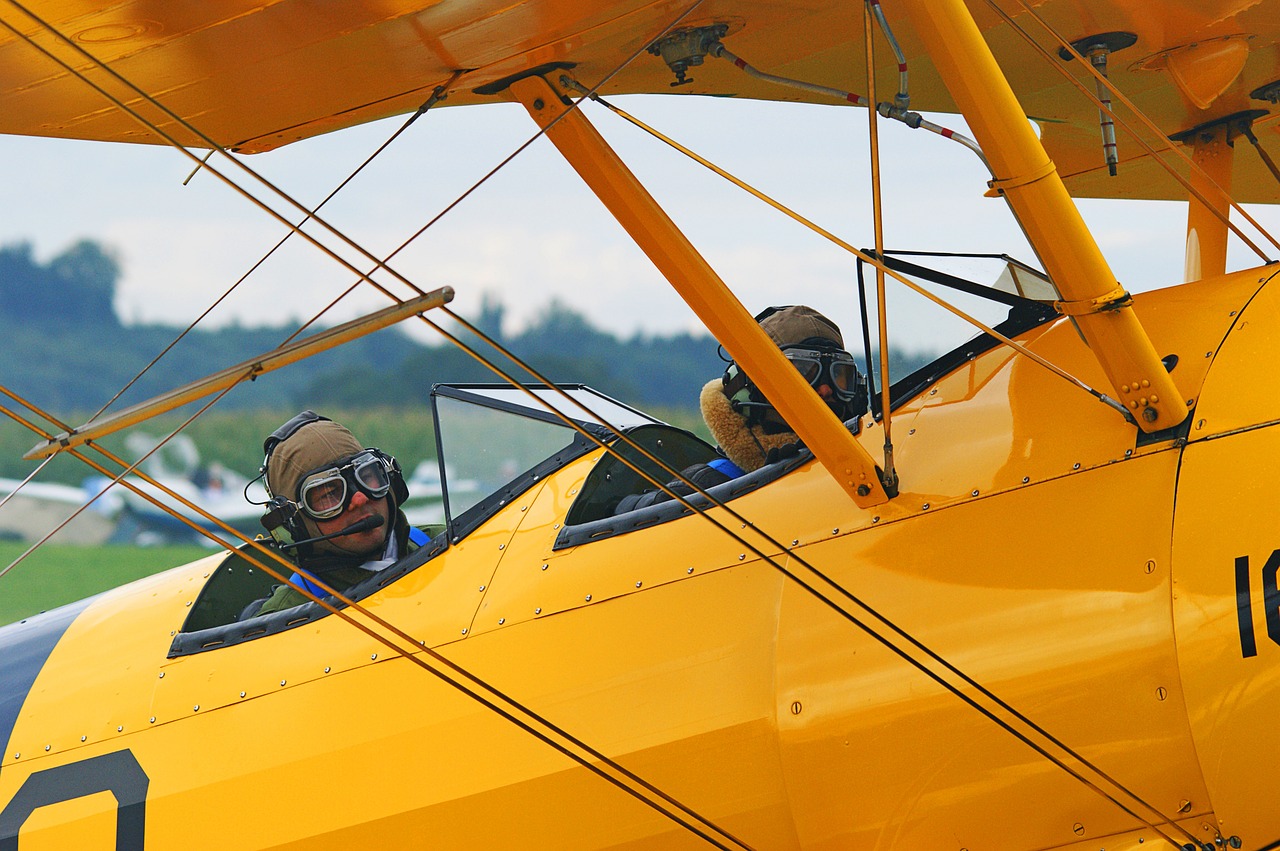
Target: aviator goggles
327	493
836	369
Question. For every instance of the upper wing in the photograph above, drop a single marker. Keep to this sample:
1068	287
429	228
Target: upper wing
256	74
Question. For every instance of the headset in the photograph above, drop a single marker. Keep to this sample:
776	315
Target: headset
283	518
746	399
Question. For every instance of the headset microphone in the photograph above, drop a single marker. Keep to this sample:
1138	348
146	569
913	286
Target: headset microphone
373	521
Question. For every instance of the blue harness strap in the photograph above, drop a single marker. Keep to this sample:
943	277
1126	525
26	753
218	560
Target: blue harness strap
416	536
724	465
302	581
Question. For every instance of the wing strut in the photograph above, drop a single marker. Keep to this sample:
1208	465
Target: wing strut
1098	305
702	289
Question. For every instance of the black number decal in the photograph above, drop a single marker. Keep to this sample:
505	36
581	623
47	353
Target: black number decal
1244	603
117	773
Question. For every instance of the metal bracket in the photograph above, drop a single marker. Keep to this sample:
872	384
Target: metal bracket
685	48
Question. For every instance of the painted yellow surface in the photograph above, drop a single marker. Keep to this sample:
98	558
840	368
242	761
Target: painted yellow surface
1086	585
359	62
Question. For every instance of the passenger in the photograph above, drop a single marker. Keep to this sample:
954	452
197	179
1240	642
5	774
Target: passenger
322	480
748	430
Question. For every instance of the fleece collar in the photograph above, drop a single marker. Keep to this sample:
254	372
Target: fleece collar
746	447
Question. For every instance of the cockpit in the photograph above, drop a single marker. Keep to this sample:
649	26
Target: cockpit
495	442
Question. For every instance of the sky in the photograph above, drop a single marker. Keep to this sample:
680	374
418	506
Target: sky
533	233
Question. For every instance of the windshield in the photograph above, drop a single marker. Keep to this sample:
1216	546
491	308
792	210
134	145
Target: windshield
495	441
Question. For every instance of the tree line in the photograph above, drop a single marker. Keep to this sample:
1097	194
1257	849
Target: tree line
65	349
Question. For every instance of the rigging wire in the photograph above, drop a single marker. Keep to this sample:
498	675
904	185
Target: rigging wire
835	586
1142	117
890	477
725	836
339	260
280	194
439	94
530	722
866	258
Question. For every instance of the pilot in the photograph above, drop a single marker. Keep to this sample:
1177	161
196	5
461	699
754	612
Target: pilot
748	430
322	481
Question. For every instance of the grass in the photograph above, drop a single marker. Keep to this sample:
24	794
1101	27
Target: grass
57	574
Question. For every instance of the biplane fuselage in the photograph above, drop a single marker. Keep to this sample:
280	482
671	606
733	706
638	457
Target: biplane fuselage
1131	612
1059	629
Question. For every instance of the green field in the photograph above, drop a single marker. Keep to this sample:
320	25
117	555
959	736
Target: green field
56	574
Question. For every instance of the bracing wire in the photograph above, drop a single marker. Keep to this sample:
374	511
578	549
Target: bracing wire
714	835
1141	116
866	258
508	353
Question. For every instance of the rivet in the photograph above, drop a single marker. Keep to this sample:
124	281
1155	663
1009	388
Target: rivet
875	519
188	602
555	526
464	630
544	567
153	719
1155	400
47	748
910	431
242	694
1124	388
796	708
835	531
1143	401
588	598
638	584
690	570
925	507
1075	466
120	729
933	392
17	756
1134	404
795	542
1232	313
1145	383
973	492
538	610
282	682
1135	383
1161	693
195	708
1208	354
84	738
481	587
502	546
373	657
206	576
1128	452
326	669
162	675
501	621
524	508
742	556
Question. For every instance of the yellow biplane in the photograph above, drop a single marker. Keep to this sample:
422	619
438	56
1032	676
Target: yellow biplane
1029	601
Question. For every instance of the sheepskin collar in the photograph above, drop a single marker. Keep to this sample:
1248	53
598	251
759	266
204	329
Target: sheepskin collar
746	447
